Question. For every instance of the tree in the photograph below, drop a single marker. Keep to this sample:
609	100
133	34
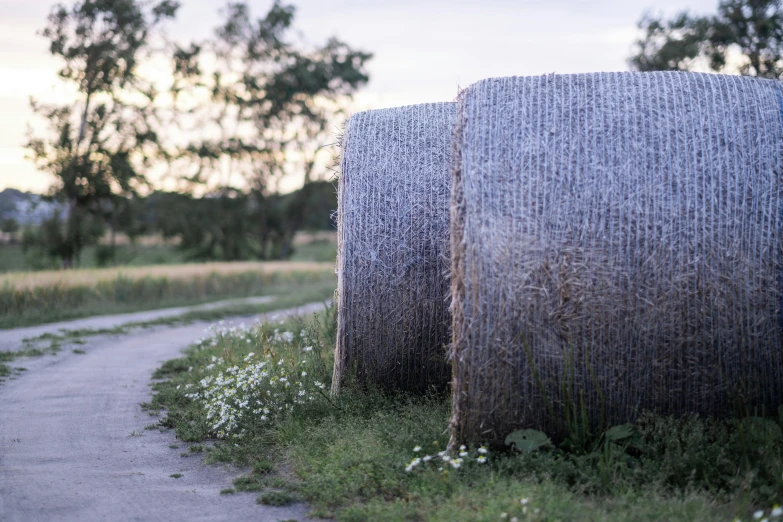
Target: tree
272	107
11	227
745	36
97	146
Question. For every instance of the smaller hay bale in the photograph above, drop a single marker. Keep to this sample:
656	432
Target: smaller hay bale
616	247
393	248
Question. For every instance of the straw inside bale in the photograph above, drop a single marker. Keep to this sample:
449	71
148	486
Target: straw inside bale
616	244
393	248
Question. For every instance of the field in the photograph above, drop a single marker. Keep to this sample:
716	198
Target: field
368	456
152	276
39	297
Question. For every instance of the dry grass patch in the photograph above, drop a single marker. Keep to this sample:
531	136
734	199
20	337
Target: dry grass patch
91	276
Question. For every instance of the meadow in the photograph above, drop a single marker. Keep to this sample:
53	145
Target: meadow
259	397
28	298
43	296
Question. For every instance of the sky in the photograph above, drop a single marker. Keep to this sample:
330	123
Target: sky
424	50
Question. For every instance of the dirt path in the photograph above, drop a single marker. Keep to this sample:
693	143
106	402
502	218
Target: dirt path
67	451
11	340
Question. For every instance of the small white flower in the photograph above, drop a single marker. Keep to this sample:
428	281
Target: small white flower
758	514
427	458
463	453
504	515
417	449
308	349
776	511
514	519
482	450
304	374
462	448
481	460
524	501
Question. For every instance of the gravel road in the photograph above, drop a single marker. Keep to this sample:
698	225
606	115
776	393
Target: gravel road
66	446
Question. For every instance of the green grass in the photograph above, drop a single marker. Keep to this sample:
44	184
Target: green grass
276	498
42	304
347	457
28	351
316	250
51	343
294	296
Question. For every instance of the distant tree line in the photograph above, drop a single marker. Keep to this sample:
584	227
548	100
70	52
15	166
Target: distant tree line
226	117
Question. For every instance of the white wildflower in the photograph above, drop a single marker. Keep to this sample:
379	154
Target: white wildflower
415	462
417	449
758	514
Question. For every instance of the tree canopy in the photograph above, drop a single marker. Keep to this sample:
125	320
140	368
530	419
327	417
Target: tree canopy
98	146
743	36
245	108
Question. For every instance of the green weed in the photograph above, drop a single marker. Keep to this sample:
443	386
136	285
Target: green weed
276	498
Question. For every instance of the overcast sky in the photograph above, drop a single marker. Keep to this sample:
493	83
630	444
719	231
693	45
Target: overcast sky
424	49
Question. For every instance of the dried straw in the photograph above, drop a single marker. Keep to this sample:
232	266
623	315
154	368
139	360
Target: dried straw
616	244
393	248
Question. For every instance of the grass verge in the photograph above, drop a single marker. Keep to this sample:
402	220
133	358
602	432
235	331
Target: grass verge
52	343
372	456
293	296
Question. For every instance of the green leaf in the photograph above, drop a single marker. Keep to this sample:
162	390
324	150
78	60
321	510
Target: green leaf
623	431
527	440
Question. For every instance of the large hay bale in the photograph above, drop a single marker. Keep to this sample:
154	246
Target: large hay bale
616	245
393	248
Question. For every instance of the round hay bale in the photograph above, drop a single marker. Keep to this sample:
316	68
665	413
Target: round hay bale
393	248
616	247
